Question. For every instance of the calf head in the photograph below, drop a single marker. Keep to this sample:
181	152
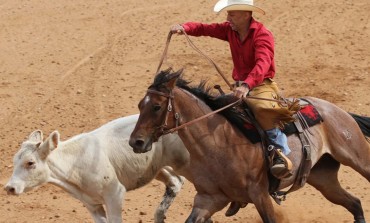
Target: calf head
30	163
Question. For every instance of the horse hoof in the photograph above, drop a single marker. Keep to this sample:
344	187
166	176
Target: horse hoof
234	208
360	221
209	220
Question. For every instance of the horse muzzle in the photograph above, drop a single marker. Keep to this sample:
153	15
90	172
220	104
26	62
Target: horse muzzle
140	145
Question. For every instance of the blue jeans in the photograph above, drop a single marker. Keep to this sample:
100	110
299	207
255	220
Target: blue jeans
280	139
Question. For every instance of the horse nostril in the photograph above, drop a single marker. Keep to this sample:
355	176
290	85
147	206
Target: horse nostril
139	143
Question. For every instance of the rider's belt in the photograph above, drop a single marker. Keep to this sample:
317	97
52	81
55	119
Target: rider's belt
239	83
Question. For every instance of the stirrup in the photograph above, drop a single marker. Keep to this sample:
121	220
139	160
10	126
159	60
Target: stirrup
282	170
288	163
278	197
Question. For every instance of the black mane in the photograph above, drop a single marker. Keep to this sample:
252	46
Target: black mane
213	100
202	91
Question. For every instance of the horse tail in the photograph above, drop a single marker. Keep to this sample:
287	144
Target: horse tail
363	122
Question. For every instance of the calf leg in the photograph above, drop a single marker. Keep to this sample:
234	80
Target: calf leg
113	198
173	184
324	177
97	212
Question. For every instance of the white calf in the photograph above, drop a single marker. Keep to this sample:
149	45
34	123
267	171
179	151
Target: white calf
99	167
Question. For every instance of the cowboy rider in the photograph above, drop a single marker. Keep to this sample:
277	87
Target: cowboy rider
252	50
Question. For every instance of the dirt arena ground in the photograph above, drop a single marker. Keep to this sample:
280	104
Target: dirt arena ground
75	65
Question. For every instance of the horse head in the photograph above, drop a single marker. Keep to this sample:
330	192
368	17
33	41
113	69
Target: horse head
156	112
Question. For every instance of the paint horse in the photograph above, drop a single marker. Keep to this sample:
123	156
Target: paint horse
226	166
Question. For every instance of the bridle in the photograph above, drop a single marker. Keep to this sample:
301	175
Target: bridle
161	130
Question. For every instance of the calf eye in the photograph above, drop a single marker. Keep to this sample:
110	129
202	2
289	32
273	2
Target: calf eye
30	164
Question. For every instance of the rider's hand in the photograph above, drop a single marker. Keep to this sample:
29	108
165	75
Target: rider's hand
177	29
241	91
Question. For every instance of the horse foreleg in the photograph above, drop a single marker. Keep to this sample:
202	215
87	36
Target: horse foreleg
324	177
260	197
263	204
234	208
205	206
173	184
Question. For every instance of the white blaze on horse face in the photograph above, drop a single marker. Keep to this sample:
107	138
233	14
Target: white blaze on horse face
146	100
29	170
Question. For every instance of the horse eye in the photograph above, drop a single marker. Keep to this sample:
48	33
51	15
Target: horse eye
156	107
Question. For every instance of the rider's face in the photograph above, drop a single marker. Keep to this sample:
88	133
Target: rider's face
238	19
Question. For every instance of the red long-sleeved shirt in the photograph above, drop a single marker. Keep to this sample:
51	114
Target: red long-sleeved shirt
253	58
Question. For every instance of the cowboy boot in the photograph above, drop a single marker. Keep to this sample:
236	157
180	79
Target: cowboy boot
281	165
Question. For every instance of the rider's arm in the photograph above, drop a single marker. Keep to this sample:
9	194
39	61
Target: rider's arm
264	55
216	30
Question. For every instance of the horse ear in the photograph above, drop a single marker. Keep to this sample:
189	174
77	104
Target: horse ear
36	136
49	145
173	78
179	72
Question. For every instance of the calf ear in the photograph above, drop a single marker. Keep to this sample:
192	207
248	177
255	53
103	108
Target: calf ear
36	136
50	144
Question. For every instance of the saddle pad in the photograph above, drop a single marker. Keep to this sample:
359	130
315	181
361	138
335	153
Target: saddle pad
309	113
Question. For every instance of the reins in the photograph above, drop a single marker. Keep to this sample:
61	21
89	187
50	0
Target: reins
196	49
170	109
201	117
164	55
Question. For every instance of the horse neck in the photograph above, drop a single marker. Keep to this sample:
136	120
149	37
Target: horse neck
189	106
213	138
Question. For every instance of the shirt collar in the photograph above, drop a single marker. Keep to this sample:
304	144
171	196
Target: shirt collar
254	24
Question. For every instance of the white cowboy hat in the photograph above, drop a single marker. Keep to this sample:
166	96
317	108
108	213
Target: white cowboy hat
237	5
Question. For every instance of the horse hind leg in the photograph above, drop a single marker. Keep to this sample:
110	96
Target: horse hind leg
348	144
359	161
173	184
324	177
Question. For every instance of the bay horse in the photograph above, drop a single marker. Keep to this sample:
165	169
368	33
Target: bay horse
227	167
